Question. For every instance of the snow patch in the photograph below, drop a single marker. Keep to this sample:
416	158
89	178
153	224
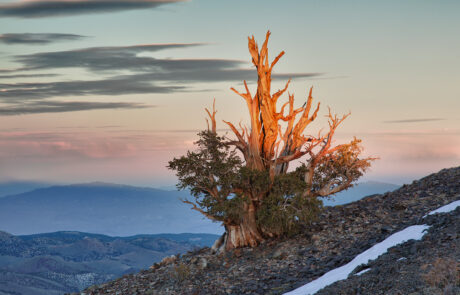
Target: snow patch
447	208
415	232
363	271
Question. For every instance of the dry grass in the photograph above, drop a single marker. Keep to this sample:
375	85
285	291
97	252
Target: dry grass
443	274
181	272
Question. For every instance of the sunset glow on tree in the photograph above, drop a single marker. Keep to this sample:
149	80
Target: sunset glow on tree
258	197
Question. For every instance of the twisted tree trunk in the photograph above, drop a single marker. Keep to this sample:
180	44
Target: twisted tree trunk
244	234
274	138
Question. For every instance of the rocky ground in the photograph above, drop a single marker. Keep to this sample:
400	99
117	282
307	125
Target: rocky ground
429	266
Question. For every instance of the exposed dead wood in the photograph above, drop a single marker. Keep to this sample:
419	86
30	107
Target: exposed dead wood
275	137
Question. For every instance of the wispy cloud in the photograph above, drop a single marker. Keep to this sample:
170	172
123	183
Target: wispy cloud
430	154
408	147
63	146
9	70
15	92
120	58
27	76
43	8
127	84
149	74
129	73
123	58
414	120
91	143
36	107
37	38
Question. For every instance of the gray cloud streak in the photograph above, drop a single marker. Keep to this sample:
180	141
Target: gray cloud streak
112	86
37	107
128	84
415	120
429	153
37	38
147	75
34	9
150	75
27	76
120	58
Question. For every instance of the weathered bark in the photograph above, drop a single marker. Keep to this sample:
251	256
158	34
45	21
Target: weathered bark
266	147
264	137
243	234
260	145
218	245
246	233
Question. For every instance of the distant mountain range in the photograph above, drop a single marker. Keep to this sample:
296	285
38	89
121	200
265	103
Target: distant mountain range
55	263
116	210
120	210
18	187
68	260
360	191
383	244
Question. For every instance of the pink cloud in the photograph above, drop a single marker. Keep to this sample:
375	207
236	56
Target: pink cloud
89	145
138	156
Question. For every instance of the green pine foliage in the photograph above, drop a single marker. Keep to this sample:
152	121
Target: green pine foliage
221	185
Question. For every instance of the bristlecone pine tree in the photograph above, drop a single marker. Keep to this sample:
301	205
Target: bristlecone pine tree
253	194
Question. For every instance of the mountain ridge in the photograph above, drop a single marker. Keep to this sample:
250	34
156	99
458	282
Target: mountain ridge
342	232
59	262
119	210
112	210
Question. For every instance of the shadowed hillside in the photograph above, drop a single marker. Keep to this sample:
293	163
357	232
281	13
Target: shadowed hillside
342	233
61	262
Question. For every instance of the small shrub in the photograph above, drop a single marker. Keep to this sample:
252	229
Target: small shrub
443	274
181	272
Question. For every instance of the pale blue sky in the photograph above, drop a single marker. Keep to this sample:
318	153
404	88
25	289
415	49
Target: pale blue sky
383	60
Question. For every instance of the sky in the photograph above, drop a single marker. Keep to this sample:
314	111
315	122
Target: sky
112	90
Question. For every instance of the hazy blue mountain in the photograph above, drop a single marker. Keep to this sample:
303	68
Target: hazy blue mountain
359	191
60	262
68	260
168	187
19	187
116	210
121	210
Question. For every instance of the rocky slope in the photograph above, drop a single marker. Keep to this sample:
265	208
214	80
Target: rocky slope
429	266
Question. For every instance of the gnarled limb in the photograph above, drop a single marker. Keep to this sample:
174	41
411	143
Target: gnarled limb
212	117
195	207
274	138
